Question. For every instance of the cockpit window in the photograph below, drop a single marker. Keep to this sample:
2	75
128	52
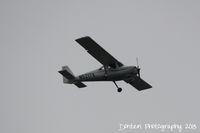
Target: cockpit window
102	68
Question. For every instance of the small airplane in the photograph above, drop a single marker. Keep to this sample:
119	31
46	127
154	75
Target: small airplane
112	69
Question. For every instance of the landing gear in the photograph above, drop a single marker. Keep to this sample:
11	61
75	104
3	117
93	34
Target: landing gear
118	88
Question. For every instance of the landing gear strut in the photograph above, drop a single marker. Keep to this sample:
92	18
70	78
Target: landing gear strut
118	88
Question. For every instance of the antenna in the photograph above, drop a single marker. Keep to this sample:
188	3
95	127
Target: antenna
138	68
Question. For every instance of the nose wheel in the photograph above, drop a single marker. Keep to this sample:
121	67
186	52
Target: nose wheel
118	88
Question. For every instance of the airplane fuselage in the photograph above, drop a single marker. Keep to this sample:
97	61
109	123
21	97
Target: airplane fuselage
109	74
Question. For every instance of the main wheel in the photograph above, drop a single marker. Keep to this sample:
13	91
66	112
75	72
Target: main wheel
119	89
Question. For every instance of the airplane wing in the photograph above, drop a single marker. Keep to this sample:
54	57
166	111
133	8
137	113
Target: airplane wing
98	52
138	83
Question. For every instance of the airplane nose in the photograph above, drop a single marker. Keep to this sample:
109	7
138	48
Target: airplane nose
134	69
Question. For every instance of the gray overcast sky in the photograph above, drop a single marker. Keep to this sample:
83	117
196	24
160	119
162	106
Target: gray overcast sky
37	38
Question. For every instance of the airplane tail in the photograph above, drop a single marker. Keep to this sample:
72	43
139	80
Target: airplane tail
69	78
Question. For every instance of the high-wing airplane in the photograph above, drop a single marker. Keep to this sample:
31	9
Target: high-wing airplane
112	69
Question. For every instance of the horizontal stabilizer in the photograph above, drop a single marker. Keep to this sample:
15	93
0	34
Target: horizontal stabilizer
80	84
139	83
71	78
66	74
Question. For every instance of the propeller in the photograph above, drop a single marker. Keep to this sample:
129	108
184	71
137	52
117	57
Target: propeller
138	68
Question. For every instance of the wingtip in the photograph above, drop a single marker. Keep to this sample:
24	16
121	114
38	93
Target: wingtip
60	71
82	38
